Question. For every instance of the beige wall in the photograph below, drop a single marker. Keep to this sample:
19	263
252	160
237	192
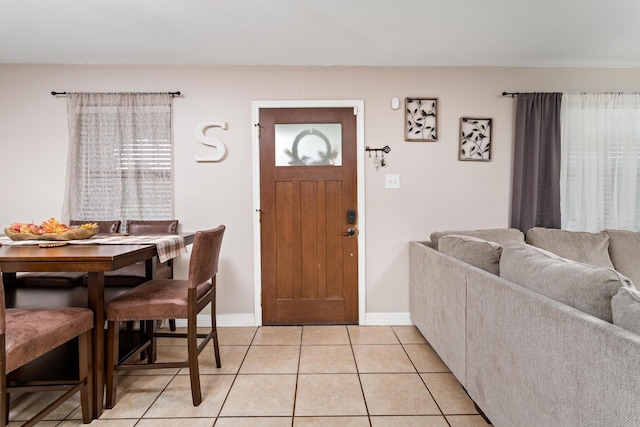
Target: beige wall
437	191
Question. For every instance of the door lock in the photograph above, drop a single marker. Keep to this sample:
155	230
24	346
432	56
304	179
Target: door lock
351	216
349	233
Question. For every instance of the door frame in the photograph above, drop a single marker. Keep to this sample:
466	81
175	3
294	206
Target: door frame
358	106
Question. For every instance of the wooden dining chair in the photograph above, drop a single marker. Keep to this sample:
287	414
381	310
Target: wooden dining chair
124	278
161	226
28	334
169	299
104	227
135	274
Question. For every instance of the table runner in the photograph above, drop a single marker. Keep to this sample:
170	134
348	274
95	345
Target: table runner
168	246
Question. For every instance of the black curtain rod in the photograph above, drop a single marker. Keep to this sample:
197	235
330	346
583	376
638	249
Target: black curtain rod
54	93
511	94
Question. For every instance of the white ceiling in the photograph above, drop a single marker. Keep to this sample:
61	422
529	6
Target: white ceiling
589	33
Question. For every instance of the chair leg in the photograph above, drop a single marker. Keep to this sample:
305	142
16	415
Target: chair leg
143	330
214	329
85	372
4	409
150	328
111	362
194	371
172	322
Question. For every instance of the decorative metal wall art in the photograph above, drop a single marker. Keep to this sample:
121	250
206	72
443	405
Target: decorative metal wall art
421	119
475	139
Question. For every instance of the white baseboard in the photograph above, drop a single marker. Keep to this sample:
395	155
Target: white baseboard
247	319
233	319
388	319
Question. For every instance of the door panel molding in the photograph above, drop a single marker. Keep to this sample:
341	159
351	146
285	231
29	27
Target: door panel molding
358	106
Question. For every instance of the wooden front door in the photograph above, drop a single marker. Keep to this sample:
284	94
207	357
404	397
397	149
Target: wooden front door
308	203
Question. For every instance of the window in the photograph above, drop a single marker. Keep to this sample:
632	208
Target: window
120	160
600	169
311	144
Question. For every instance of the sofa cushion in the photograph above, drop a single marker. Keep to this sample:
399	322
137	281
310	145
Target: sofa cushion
589	248
498	235
477	252
625	306
624	250
585	287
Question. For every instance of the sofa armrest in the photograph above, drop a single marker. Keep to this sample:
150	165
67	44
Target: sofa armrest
438	303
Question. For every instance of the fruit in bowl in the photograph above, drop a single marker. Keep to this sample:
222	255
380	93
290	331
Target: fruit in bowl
50	229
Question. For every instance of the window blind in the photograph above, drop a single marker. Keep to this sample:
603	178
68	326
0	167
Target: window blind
121	158
600	171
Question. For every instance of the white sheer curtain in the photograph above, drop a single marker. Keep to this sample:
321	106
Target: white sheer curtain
600	170
120	157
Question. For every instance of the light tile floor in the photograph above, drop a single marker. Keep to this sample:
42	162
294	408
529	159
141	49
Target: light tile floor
294	376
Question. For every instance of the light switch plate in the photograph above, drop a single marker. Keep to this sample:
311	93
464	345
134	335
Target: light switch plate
392	181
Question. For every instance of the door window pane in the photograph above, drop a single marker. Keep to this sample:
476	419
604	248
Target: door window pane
314	144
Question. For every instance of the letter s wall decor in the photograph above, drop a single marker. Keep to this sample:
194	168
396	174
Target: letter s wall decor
220	148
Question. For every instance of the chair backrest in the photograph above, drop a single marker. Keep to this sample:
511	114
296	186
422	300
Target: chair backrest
203	264
168	226
104	227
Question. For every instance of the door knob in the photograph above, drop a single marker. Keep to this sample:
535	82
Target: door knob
349	233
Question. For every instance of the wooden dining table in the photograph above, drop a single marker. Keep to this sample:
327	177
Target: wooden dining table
94	259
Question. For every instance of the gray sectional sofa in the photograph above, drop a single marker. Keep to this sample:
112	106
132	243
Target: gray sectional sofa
527	324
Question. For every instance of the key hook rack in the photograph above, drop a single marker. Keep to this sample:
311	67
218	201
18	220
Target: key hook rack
386	149
378	162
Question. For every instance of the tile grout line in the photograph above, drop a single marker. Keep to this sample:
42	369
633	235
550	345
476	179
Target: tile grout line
139	419
242	357
420	376
355	362
154	400
235	376
430	373
295	391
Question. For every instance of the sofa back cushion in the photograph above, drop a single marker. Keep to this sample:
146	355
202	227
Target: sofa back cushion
498	235
625	306
589	248
477	252
624	250
582	286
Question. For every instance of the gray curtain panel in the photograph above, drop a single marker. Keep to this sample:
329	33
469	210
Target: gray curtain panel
536	167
